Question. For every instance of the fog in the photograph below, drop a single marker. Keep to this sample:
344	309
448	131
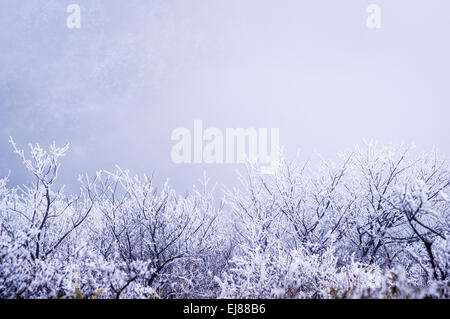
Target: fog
117	87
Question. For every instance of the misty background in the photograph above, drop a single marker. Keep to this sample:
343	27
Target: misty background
137	69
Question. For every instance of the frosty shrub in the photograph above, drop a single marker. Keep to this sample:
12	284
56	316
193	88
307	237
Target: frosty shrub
373	224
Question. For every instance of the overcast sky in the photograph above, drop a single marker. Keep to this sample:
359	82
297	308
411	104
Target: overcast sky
137	69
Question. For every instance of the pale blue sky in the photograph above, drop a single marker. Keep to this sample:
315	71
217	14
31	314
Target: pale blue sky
137	69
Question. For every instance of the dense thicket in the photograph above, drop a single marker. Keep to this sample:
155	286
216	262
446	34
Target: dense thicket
373	224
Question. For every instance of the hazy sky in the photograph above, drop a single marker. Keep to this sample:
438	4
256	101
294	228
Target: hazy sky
137	69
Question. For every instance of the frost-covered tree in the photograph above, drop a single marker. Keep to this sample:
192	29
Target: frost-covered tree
171	238
374	223
375	208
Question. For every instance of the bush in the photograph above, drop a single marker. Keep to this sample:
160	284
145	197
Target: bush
374	224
